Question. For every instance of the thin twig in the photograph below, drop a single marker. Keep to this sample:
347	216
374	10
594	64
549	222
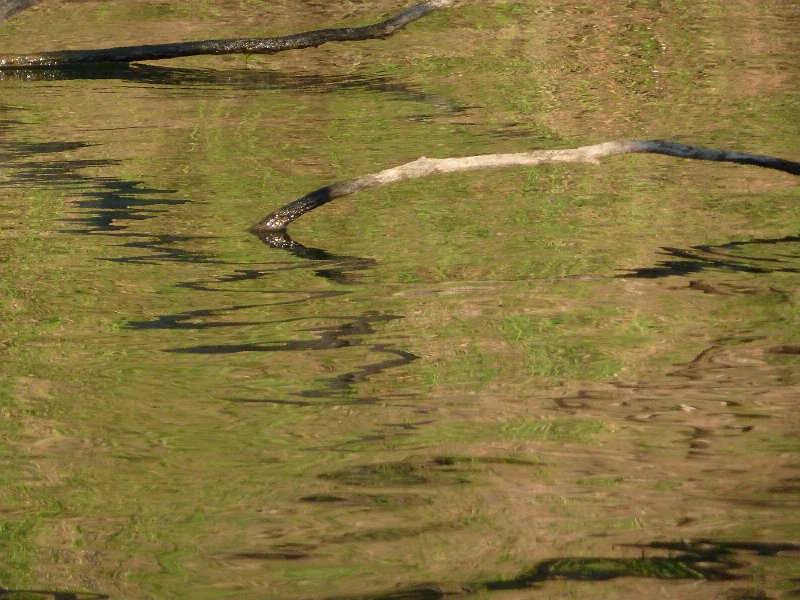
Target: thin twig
297	41
278	220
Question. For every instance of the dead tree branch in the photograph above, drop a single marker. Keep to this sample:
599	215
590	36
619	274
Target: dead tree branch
297	41
278	220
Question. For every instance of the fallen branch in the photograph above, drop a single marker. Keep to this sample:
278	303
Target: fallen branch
278	221
297	41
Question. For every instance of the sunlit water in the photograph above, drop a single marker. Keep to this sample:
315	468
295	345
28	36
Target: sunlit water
576	381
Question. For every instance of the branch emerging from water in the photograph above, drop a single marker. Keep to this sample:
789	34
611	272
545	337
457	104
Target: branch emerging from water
297	41
422	167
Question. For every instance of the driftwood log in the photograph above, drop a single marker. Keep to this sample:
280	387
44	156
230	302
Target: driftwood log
278	220
297	41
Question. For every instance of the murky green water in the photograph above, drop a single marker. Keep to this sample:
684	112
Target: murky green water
576	381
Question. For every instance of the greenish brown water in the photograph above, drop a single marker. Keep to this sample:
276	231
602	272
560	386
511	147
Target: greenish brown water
576	381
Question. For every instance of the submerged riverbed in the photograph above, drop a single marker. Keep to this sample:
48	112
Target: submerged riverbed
568	381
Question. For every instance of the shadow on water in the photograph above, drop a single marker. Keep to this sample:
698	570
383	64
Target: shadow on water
349	334
49	595
108	204
189	80
116	202
326	338
337	268
768	255
113	203
700	560
390	484
18	159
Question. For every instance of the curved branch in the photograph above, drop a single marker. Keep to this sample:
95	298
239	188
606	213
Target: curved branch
297	41
278	220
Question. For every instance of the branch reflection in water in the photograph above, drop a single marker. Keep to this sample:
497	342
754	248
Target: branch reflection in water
350	333
767	255
669	561
184	81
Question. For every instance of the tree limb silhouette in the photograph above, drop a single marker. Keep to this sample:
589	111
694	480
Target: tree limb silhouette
297	41
278	220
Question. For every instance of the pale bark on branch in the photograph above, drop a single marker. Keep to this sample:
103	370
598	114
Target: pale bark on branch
297	41
278	220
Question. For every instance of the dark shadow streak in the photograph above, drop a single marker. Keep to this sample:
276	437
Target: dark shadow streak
343	383
327	338
713	551
338	269
53	174
341	386
110	202
183	320
338	274
276	267
49	595
702	560
119	201
189	80
695	259
280	552
164	248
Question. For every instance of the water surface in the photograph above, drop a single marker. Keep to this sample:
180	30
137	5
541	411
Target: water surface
573	381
